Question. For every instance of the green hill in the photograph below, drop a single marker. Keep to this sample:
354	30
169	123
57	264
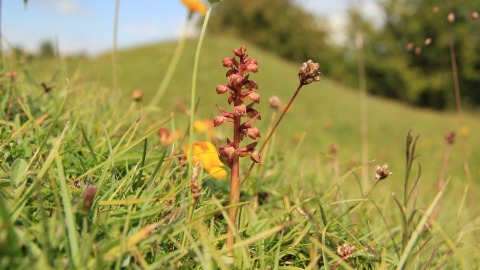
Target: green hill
327	111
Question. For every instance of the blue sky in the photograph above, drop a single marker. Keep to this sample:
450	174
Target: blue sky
87	25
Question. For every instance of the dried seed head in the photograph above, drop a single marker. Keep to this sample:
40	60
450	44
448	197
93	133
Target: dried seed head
474	15
450	137
435	9
137	94
428	41
345	251
275	102
382	172
309	73
451	17
333	149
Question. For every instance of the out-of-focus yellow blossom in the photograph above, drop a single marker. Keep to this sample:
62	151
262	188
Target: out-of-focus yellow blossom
202	126
464	131
205	153
195	6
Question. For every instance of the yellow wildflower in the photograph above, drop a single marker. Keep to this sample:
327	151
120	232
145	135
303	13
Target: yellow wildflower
195	6
464	131
202	126
205	153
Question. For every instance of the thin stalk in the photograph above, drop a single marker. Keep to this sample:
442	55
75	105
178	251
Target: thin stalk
114	48
273	130
363	104
458	102
194	82
264	157
173	64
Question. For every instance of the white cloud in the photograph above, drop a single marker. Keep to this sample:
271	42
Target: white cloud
66	7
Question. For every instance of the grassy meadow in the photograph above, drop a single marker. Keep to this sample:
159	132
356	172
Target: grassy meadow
297	208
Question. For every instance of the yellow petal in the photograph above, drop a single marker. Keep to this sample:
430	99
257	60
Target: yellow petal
217	172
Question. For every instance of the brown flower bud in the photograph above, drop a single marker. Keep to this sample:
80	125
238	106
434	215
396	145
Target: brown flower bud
253	133
137	94
450	137
252	66
227	62
275	102
255	156
250	85
382	172
239	110
218	120
333	149
221	89
474	15
252	113
451	17
234	80
309	73
409	47
418	50
88	197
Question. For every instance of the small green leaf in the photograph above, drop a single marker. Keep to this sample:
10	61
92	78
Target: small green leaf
19	168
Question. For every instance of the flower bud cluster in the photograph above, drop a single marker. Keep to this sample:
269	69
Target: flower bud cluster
239	89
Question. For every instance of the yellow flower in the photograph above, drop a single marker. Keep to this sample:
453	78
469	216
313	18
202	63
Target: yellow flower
202	126
464	131
195	6
206	153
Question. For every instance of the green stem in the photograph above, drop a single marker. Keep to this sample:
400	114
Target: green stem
194	82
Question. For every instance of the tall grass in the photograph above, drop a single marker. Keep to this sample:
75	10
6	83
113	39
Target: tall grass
86	183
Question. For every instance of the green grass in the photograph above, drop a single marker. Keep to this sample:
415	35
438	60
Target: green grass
139	218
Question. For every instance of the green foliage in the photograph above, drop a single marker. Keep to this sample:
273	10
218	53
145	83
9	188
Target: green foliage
46	49
408	57
139	214
278	26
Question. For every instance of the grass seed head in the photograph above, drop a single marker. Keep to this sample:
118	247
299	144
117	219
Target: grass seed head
382	172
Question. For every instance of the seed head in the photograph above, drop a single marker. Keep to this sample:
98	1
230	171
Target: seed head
428	41
435	9
309	73
450	137
451	17
136	94
275	102
345	251
382	172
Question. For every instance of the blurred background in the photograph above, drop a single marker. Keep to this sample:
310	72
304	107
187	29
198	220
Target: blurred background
406	43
